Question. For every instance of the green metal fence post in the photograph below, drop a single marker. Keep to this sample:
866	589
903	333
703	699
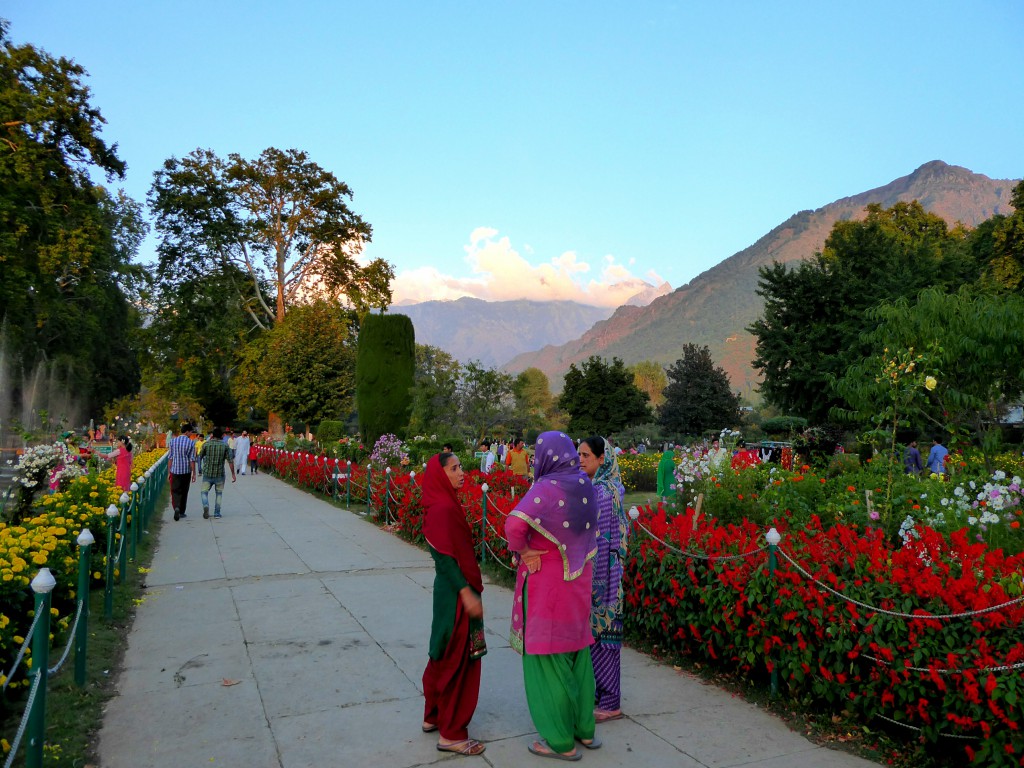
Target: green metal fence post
369	483
42	585
387	495
348	487
483	523
85	542
773	537
133	512
108	586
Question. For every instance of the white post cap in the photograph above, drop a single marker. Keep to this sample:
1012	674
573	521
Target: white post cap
43	582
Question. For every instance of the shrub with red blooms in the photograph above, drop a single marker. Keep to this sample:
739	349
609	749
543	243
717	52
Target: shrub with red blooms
937	675
402	510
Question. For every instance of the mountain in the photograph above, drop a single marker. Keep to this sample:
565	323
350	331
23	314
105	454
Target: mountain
716	306
493	331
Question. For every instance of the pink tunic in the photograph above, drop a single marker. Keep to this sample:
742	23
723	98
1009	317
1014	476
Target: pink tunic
558	611
124	469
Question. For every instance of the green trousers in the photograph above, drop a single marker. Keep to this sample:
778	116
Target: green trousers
560	693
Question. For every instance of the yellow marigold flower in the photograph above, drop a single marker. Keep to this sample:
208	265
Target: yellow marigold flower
39	558
97	575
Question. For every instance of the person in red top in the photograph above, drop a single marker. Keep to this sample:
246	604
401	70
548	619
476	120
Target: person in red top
745	458
451	681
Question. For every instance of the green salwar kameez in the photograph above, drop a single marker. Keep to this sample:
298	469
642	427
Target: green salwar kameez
560	690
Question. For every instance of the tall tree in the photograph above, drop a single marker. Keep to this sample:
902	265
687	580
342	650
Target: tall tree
307	370
385	370
971	344
486	399
435	403
601	398
66	244
814	315
281	219
649	377
534	402
197	328
698	396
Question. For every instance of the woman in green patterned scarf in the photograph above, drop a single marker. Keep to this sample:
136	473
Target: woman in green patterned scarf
597	459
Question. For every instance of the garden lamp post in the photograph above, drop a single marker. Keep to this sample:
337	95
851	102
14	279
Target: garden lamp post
42	586
85	542
108	588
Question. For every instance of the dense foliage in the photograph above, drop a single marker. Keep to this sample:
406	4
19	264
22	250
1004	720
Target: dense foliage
67	277
385	368
601	398
280	218
698	397
815	314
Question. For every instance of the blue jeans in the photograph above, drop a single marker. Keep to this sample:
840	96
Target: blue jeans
218	485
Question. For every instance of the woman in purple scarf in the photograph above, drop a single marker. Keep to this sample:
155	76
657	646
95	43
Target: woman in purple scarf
553	530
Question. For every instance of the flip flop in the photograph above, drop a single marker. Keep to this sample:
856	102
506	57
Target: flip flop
594	743
429	727
541	749
600	716
469	747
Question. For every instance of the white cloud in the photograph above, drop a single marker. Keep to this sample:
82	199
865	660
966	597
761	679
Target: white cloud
498	272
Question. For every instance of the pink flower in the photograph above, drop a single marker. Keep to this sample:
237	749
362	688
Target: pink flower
874	515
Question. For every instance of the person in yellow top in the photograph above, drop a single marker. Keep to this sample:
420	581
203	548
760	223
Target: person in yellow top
199	447
518	460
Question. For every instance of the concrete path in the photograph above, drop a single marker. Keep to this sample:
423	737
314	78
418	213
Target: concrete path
292	634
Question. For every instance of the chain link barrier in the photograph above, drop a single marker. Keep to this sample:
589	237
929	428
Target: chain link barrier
918	730
24	720
71	641
21	653
898	614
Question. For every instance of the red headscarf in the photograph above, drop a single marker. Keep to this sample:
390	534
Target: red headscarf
444	522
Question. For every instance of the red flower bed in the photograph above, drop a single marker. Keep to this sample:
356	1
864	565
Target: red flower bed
937	675
395	496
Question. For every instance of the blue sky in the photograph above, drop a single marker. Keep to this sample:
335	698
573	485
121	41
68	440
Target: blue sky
557	149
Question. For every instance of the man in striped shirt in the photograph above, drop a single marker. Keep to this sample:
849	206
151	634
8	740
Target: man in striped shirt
181	468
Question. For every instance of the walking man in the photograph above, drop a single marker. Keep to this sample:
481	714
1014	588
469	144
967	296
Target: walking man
181	467
214	457
241	452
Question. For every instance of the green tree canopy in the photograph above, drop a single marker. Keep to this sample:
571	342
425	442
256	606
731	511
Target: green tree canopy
66	244
534	402
815	314
486	399
196	330
280	219
698	396
435	406
649	377
305	367
385	370
972	345
601	398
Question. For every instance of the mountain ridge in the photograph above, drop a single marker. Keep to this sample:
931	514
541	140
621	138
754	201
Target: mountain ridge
716	306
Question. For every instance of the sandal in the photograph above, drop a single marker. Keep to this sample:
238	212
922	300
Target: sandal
429	727
603	716
469	747
542	749
594	743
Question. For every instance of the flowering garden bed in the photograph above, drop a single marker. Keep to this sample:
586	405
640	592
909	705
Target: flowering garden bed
47	538
925	633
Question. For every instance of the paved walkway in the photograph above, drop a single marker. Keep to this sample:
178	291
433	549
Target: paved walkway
292	634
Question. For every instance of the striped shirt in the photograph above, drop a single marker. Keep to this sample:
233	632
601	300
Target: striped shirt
183	455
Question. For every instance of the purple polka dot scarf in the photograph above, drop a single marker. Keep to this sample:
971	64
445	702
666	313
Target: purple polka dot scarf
561	505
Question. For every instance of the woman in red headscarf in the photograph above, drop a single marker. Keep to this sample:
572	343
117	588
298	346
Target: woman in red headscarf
451	681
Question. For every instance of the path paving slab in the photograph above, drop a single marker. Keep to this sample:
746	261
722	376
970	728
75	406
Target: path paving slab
292	633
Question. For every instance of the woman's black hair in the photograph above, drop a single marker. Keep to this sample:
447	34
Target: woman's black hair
443	457
596	444
127	442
